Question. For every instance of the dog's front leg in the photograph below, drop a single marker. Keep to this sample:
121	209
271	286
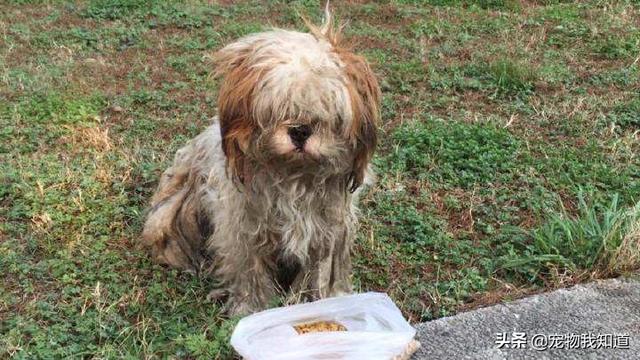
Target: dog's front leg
328	272
341	269
251	287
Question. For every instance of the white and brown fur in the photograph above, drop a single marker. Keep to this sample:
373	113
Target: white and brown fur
243	201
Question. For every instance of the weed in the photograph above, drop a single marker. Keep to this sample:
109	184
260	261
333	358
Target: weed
510	77
619	77
627	115
484	4
598	239
116	9
454	153
617	47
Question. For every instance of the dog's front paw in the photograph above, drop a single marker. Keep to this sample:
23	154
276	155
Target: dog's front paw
337	293
236	307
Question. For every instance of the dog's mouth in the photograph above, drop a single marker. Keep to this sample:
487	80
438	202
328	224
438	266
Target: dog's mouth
304	152
301	154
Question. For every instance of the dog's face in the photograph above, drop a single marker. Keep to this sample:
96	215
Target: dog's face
297	101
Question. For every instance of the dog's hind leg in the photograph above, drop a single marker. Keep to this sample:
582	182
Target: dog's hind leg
177	225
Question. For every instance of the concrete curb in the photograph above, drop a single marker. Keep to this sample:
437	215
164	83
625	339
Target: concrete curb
600	320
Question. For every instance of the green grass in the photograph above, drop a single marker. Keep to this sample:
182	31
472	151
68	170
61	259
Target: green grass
509	77
589	241
627	114
453	154
508	160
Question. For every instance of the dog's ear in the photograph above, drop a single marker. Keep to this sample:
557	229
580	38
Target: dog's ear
365	102
235	98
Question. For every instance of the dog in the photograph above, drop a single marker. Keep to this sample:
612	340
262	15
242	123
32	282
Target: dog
265	199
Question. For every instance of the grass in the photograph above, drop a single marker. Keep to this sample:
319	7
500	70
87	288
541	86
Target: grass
453	154
508	162
511	78
599	239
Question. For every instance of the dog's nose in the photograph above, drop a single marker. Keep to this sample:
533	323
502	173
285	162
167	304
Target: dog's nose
299	134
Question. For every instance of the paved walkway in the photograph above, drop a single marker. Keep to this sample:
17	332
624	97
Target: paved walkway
588	321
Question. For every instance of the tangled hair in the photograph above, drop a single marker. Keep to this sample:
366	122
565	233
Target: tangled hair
243	67
265	198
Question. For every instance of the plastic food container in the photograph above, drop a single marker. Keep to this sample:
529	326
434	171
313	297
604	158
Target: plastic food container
373	328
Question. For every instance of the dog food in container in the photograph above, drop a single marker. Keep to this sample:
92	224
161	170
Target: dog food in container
361	326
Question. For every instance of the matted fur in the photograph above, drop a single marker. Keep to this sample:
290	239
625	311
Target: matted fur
242	202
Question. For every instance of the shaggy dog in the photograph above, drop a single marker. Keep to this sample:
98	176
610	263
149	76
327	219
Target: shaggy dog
265	198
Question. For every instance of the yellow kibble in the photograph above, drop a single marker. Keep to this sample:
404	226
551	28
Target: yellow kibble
319	326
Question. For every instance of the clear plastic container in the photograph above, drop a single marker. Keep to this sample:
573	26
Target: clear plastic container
375	327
